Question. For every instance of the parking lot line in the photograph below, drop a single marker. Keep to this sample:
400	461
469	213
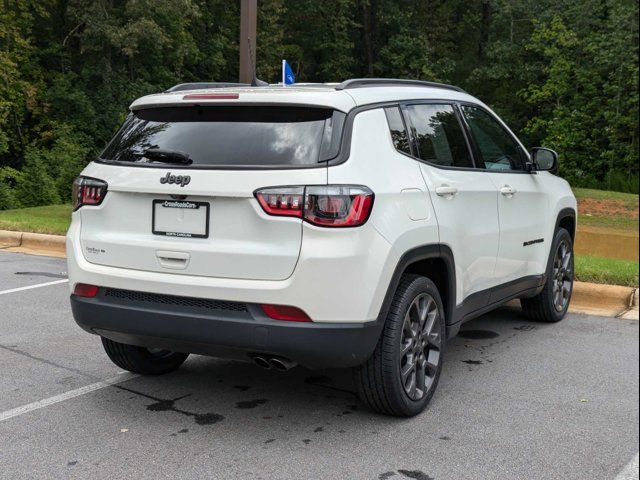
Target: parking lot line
630	472
46	284
30	407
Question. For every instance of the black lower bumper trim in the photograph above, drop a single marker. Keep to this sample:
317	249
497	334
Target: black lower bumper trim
226	334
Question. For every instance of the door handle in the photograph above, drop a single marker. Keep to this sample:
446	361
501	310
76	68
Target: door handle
507	190
446	190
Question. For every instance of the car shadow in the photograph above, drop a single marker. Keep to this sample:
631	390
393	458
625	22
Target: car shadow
208	391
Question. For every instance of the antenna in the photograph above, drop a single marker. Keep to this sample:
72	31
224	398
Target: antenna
255	82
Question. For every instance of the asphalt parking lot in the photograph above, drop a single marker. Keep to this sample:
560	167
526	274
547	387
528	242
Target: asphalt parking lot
517	400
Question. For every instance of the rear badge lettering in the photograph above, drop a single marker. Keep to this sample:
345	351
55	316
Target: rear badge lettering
181	180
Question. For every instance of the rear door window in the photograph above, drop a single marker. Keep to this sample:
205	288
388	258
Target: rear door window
230	136
398	131
438	135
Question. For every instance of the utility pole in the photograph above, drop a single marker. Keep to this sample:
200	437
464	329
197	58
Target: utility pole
248	21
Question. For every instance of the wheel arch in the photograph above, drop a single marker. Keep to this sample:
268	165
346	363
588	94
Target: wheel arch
567	219
434	261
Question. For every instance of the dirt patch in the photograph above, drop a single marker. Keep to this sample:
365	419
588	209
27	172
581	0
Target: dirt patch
592	206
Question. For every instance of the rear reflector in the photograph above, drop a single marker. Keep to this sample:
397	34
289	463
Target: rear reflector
211	96
85	290
286	313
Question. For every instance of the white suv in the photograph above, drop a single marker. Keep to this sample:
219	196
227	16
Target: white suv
327	225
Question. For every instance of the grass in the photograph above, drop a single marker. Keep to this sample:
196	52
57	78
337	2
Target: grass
630	199
606	270
52	219
609	210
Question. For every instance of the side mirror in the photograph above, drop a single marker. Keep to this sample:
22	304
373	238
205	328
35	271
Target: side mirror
544	159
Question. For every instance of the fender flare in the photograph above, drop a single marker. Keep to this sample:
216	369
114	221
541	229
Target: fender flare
562	214
566	213
416	254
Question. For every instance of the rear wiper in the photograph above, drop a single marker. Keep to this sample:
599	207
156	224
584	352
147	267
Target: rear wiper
166	156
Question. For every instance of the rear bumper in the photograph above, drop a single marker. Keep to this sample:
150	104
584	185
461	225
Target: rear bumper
235	331
341	276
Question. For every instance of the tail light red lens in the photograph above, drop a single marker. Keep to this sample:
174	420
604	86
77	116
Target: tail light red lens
88	191
325	206
85	290
284	201
337	206
286	313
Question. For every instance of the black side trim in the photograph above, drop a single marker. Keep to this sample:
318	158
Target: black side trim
482	302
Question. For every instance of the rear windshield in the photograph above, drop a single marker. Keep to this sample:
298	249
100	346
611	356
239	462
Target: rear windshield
230	136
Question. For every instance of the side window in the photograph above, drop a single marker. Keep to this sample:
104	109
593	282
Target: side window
438	135
398	130
498	149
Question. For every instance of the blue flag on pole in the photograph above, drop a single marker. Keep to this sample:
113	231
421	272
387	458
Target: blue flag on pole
288	78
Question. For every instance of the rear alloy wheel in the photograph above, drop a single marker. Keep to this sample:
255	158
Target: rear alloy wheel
420	346
552	303
402	374
145	361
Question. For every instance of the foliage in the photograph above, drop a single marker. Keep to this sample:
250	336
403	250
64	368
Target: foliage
560	77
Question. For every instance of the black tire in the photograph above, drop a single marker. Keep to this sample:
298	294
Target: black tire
552	303
143	360
379	381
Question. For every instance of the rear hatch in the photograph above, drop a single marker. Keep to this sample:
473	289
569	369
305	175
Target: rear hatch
181	182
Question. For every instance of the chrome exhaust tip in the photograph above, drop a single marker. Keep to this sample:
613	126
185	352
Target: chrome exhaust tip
281	364
262	362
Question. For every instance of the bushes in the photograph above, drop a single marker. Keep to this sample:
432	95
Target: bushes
48	172
9	178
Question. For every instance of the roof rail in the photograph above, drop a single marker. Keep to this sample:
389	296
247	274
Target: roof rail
203	85
392	82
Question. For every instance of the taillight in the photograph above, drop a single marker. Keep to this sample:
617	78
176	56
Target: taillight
85	290
88	191
322	205
285	201
285	312
337	206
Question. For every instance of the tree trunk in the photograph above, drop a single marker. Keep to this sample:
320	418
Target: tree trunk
485	25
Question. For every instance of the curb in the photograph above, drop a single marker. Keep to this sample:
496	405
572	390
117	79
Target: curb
36	243
631	313
599	299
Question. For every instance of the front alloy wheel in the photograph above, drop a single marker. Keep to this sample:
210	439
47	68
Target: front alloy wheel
562	276
552	303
